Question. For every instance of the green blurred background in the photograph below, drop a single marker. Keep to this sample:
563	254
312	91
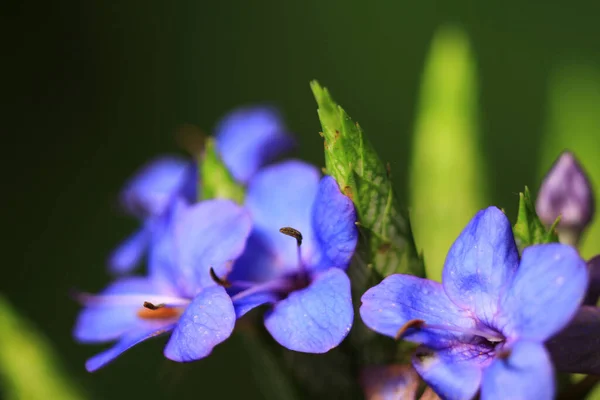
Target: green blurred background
94	89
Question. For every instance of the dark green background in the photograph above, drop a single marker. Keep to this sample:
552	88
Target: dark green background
93	89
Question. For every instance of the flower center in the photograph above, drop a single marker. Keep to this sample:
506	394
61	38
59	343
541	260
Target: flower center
490	336
281	286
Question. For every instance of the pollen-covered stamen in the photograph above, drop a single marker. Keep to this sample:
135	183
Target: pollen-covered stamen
158	311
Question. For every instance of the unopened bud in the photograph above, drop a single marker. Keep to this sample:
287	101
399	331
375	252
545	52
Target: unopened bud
566	192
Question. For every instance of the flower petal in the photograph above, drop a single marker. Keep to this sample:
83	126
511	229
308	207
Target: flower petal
334	224
399	299
481	263
525	374
249	138
550	277
315	319
280	196
247	303
593	291
576	349
115	311
450	378
129	253
206	322
126	342
208	234
150	190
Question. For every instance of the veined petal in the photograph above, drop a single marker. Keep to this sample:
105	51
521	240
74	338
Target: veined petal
126	342
450	377
149	191
481	263
208	234
334	224
550	277
129	253
314	319
576	348
283	195
399	299
525	374
249	138
114	312
206	322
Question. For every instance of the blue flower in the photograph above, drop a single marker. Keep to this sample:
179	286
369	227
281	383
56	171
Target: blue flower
486	324
148	195
247	139
178	296
304	282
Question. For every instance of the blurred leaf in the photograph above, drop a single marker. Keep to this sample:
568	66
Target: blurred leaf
574	124
268	371
28	365
216	181
529	229
387	246
447	173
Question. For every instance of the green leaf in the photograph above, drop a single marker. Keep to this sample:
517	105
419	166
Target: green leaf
216	181
387	245
447	172
529	229
29	367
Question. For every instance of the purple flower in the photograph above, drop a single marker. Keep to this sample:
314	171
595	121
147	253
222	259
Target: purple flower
304	280
247	139
566	192
179	295
486	324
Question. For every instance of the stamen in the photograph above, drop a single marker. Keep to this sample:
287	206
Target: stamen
298	236
158	311
293	233
151	306
413	323
221	282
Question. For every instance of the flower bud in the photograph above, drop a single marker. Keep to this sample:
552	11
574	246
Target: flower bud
566	192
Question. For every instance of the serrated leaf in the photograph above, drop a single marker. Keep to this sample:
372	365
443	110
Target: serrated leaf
216	181
29	366
447	172
351	159
529	229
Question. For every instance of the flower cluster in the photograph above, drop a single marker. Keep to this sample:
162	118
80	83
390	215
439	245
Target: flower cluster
500	322
210	262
